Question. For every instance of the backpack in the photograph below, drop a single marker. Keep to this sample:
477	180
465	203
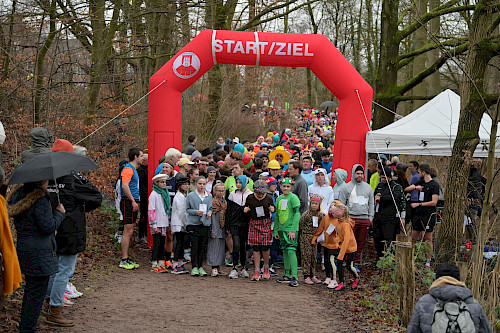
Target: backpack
451	317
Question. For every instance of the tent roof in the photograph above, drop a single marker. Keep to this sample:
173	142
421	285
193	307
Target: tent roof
429	130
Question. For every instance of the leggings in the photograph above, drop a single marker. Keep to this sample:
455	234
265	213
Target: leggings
349	259
330	262
240	236
198	234
158	247
290	262
179	238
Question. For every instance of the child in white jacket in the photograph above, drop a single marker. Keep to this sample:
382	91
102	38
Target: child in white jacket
178	224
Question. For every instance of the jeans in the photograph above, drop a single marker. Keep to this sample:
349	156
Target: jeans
34	293
58	281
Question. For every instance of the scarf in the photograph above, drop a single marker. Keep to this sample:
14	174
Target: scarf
220	205
166	197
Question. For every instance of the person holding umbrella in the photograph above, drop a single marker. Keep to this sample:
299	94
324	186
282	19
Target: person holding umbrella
36	224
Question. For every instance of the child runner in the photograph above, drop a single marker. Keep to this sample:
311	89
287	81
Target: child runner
178	224
272	185
286	227
260	206
158	213
347	243
199	209
216	243
308	225
238	225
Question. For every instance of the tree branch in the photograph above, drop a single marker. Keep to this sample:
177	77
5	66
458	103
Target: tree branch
414	98
404	59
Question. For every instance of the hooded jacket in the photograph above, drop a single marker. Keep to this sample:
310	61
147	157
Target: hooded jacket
358	197
325	192
41	143
341	178
446	289
300	190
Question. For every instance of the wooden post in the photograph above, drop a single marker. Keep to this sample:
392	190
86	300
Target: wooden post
405	278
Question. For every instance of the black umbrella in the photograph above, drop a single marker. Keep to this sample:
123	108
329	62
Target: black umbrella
51	166
327	104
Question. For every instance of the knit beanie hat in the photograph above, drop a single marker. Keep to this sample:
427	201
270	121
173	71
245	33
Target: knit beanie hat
448	270
211	168
244	180
359	168
63	145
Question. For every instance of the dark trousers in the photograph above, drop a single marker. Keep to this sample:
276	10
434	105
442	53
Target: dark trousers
275	249
348	258
179	240
384	232
34	294
158	252
361	228
198	234
328	263
240	237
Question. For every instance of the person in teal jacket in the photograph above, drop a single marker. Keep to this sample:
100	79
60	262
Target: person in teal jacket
286	228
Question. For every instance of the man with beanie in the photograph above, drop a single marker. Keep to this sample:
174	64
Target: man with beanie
357	195
78	195
448	291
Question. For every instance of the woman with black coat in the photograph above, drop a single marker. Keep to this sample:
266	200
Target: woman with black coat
36	224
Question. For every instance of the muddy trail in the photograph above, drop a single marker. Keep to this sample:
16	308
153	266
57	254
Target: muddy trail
139	300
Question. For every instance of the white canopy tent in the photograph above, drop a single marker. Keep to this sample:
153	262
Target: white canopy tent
429	130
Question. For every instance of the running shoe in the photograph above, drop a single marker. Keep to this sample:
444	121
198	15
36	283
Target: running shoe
177	270
327	281
333	284
293	282
244	274
71	286
308	280
69	294
215	273
168	264
229	261
265	274
340	287
233	274
156	269
355	283
202	271
256	276
184	270
195	272
284	279
67	302
133	263
126	264
316	280
272	272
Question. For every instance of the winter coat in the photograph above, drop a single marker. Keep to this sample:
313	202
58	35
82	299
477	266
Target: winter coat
41	143
36	224
235	206
387	210
78	196
300	189
325	192
446	289
352	193
178	220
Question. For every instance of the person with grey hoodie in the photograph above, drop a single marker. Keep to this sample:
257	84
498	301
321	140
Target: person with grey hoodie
41	143
357	195
339	176
448	289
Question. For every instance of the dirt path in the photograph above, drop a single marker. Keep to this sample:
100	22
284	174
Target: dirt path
141	301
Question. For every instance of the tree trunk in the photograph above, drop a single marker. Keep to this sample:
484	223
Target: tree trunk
472	109
386	82
419	40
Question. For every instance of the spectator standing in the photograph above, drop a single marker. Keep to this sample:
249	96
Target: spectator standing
190	149
142	170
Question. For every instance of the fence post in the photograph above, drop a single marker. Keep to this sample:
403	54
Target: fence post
405	278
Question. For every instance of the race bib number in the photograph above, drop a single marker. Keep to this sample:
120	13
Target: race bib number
361	200
421	196
203	208
284	203
315	221
260	211
330	229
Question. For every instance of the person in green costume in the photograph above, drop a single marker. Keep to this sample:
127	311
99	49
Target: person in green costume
286	228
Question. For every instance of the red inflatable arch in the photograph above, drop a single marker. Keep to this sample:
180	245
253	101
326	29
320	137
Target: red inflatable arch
212	47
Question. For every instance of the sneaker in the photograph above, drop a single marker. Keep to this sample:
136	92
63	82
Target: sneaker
72	287
293	282
244	274
316	280
177	270
272	272
215	273
133	263
229	261
265	274
168	264
184	270
220	272
126	264
256	276
69	294
340	287
195	272
187	256
333	284
355	283
233	274
284	279
308	281
202	271
156	269
327	281
67	302
356	267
